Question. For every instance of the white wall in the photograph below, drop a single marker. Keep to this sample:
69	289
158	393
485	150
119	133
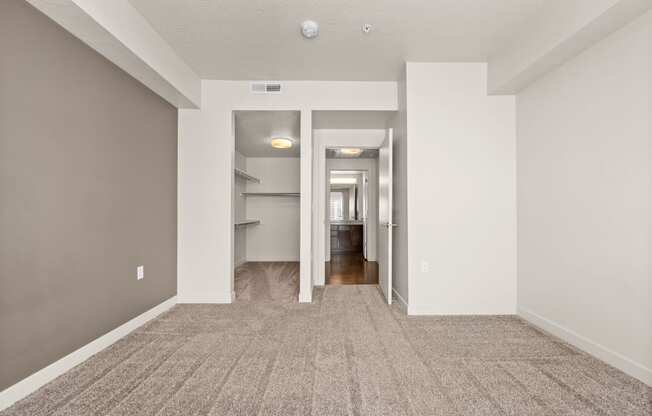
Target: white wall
584	208
461	192
276	238
206	152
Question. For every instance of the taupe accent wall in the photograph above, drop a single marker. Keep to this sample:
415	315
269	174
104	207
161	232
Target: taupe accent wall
88	173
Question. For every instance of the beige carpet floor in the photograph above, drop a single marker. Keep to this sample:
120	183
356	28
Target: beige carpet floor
265	281
346	354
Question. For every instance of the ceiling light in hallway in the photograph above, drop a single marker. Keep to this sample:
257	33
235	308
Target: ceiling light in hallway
343	181
351	151
281	143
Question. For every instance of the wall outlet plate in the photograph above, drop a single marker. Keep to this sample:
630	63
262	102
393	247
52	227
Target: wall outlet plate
140	272
425	266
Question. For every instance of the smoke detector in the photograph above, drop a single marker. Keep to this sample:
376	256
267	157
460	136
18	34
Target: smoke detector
310	29
366	28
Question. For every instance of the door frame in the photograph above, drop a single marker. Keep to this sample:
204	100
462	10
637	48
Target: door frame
320	176
389	221
305	216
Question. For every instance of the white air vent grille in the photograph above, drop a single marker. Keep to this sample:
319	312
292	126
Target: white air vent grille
266	88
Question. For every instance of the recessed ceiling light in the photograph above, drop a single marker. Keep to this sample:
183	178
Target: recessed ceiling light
350	151
310	29
281	143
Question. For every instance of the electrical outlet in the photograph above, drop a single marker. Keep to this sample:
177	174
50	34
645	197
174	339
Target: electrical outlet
425	266
140	272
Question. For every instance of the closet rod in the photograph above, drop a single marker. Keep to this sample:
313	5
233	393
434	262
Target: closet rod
243	174
247	222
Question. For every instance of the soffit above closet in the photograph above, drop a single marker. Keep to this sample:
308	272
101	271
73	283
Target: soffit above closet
254	131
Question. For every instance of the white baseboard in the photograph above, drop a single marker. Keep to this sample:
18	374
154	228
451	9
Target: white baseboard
220	298
434	310
32	383
612	358
401	302
305	297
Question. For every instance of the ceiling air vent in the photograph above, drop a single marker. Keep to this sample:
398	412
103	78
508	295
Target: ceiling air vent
266	88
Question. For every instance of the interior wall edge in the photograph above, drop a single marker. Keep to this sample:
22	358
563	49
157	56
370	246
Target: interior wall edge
589	346
400	301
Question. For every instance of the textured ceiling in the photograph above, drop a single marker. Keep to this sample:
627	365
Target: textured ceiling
254	131
260	39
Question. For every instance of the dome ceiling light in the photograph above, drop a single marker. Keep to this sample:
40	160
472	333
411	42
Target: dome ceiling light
350	151
281	143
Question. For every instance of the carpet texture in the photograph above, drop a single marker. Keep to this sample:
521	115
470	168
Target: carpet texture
346	354
265	281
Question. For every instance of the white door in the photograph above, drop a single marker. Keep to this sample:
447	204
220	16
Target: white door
385	216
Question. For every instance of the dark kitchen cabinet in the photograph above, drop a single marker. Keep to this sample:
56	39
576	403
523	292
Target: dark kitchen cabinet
346	238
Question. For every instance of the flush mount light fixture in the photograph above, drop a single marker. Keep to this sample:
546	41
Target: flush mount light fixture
310	29
281	143
351	151
343	181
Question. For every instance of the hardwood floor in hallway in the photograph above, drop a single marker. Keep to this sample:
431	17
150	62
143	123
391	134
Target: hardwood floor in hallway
351	269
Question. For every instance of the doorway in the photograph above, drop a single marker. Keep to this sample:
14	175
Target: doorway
350	199
341	138
266	206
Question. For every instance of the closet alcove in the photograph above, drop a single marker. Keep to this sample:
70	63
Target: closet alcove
266	205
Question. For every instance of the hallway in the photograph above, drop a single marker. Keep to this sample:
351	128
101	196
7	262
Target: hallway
351	269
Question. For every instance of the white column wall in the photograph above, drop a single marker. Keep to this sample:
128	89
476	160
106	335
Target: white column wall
461	192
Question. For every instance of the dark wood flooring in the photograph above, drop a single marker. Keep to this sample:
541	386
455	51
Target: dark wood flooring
351	269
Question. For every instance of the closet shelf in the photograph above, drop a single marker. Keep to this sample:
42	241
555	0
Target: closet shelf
270	194
242	223
243	174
